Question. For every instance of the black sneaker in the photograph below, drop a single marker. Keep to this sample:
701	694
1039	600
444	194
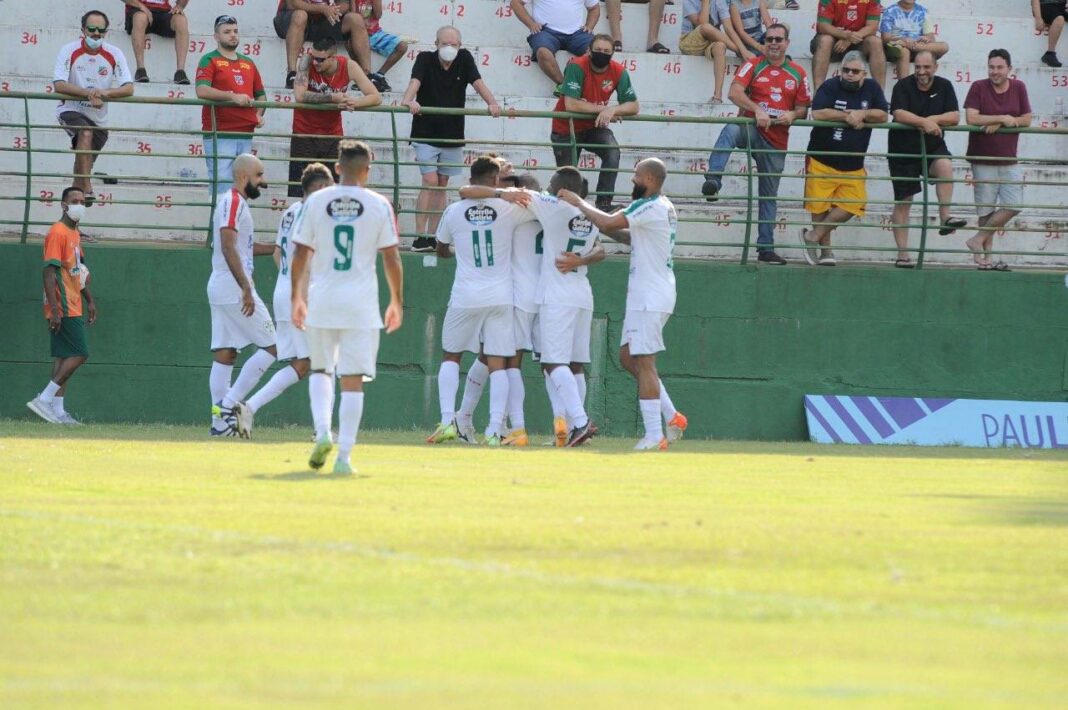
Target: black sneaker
141	76
379	81
1050	59
710	190
291	76
180	77
425	244
770	257
581	434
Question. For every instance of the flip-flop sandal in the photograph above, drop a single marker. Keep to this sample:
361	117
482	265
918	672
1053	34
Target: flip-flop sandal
1000	266
904	264
951	225
658	49
617	45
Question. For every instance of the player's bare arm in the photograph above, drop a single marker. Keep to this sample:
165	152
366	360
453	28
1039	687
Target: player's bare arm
602	220
569	261
394	270
233	262
51	288
299	275
263	249
517	195
90	306
370	97
444	251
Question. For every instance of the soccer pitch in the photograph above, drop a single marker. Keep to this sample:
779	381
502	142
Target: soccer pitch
150	567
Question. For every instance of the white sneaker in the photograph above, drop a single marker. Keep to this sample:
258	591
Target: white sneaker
66	418
243	416
466	433
43	410
647	444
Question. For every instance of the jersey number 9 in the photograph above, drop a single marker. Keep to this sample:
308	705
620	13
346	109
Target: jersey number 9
344	239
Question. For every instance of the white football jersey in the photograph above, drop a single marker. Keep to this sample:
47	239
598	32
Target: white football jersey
526	266
231	212
481	232
283	287
565	229
651	286
104	70
346	225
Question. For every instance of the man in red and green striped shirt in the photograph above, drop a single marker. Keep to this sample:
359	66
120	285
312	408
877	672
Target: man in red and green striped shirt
842	25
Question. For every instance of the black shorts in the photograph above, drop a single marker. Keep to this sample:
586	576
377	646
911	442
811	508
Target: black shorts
161	22
72	121
318	27
907	173
1051	11
304	150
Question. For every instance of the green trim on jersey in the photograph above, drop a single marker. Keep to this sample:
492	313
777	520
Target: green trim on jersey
794	70
638	203
54	262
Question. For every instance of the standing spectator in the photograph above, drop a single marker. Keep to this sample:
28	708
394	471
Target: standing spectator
926	102
589	83
96	71
835	188
556	25
906	28
225	75
65	290
1050	14
300	21
164	20
652	36
750	19
842	25
707	29
440	79
994	103
774	90
323	78
380	42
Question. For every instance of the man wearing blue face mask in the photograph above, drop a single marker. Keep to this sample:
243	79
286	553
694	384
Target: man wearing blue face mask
94	72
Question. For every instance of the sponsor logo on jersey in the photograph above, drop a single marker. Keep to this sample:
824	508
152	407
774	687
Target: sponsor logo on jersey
238	79
102	71
791	84
864	104
344	209
776	96
774	72
851	14
480	215
580	226
606	85
221	63
763	80
287	221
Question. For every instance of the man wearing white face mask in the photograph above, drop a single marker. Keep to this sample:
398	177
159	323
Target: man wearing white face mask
66	288
440	79
94	71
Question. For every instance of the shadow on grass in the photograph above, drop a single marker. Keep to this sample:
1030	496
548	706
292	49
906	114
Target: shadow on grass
1013	511
296	476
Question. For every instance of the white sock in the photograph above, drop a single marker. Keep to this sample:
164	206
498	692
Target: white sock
349	415
580	380
282	380
448	383
250	374
219	381
57	406
321	394
517	392
554	398
567	390
49	392
667	407
477	375
654	430
498	401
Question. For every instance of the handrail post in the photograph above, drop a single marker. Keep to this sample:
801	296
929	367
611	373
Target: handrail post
396	162
213	172
749	164
926	201
574	142
29	171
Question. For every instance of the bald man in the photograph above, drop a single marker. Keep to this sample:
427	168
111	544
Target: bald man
238	316
648	224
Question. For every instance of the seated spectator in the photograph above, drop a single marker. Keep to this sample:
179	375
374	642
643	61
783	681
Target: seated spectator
652	37
835	189
906	28
379	41
323	78
589	83
994	103
556	25
926	102
91	69
842	25
300	21
1052	14
164	20
707	29
750	19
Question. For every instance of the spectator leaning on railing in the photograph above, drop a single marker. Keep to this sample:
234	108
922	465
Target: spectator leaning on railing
225	75
1050	14
614	10
323	78
589	83
994	103
842	25
97	72
300	21
707	29
556	25
906	29
750	19
835	189
163	19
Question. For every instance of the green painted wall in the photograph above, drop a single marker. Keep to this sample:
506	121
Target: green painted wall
744	346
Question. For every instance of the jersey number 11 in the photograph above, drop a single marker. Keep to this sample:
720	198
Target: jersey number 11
488	239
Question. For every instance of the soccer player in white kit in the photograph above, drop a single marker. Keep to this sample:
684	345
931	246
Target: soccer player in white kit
238	316
339	234
480	312
292	345
652	222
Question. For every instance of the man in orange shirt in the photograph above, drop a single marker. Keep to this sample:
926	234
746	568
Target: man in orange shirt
66	287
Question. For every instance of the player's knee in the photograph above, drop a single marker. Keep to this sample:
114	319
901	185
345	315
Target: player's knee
402	47
299	18
354	21
85	140
824	43
443	180
179	23
545	55
301	367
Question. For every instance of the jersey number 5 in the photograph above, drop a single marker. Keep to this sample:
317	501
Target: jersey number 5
282	256
487	237
344	239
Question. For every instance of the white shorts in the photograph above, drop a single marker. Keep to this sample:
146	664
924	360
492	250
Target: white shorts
292	343
643	331
490	327
526	330
348	352
230	328
1005	191
564	334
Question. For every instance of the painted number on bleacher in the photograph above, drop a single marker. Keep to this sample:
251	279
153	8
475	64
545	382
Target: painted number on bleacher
521	60
503	11
530	163
669	18
411	54
587	162
397	8
103	199
984	28
19	142
235	3
252	49
197	46
175	94
963	76
29	38
1059	80
667	112
484	60
697	166
144	147
278	204
5	86
630	64
148	43
195	148
47	196
163	202
459	10
283	98
673	68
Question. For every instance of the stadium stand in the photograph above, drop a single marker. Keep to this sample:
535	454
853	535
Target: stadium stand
667	85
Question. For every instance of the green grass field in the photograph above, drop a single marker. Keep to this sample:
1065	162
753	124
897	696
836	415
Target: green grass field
149	567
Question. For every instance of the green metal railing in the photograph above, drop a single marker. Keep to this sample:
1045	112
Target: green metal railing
392	141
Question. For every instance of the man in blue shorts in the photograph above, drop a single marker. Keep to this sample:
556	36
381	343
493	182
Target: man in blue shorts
556	25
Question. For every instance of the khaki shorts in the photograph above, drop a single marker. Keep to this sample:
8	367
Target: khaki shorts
694	44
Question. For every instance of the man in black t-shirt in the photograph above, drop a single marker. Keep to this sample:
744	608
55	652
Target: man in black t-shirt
835	189
926	102
440	79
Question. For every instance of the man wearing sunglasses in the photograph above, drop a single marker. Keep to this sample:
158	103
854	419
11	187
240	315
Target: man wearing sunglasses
94	72
323	78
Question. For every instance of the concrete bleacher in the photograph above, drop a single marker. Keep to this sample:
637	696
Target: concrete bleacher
666	85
